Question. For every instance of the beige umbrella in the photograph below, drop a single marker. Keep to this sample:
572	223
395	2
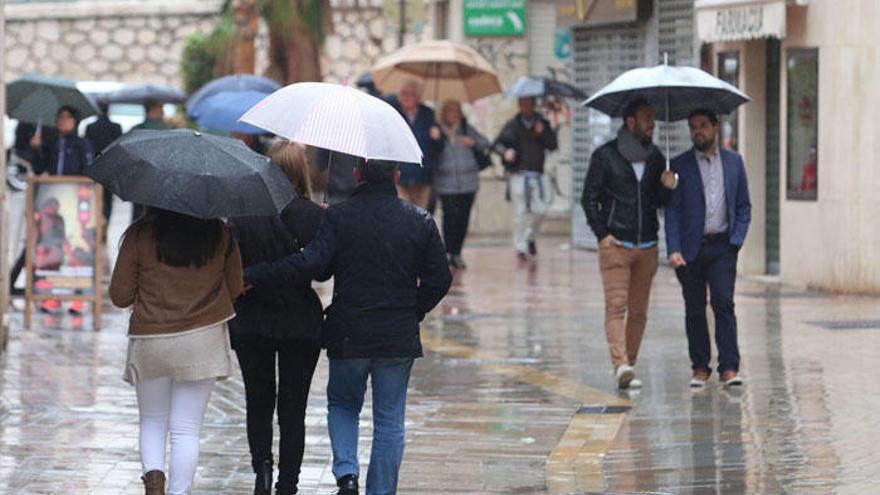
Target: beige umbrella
446	71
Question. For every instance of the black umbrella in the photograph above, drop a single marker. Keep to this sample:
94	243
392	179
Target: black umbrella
36	99
192	173
145	93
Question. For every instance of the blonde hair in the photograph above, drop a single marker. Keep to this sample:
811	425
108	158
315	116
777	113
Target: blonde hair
291	158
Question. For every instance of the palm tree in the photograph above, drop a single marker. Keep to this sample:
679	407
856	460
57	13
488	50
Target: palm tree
296	35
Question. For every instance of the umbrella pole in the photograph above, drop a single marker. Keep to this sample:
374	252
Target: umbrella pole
327	187
666	63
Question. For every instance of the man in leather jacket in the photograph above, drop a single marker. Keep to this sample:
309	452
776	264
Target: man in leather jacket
625	185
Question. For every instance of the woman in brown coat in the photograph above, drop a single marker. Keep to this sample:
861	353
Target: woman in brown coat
181	275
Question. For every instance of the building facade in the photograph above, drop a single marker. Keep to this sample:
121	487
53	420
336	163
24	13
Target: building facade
810	67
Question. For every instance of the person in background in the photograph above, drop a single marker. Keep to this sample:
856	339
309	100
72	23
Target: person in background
337	168
457	177
278	324
523	144
415	181
101	133
180	274
154	120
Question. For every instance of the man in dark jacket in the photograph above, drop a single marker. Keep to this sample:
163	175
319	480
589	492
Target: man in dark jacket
390	270
523	144
100	134
62	153
707	221
625	185
415	181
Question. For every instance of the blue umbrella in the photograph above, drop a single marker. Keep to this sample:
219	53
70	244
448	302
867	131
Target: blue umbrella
236	83
146	93
221	111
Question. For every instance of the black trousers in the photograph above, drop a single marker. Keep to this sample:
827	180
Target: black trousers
715	267
456	218
297	360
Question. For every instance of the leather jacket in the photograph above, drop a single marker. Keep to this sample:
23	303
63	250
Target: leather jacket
616	202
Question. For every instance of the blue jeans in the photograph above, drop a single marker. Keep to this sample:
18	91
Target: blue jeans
345	398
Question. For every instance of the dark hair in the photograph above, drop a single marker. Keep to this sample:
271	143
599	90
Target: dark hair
712	116
633	107
150	104
103	106
72	111
182	240
377	171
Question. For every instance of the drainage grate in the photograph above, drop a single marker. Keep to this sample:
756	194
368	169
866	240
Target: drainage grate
847	324
603	409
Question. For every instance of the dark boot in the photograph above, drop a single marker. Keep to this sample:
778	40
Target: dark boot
286	485
263	483
154	482
348	485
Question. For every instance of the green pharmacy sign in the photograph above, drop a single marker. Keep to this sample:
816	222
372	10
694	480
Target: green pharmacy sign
494	17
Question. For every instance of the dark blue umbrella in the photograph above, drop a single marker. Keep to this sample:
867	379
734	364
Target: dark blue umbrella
237	82
528	86
146	93
220	112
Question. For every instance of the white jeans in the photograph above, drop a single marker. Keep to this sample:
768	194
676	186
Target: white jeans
179	407
530	195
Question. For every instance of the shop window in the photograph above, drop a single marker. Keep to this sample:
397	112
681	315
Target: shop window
728	71
802	129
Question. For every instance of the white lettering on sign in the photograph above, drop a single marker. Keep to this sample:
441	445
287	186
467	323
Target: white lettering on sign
486	21
737	22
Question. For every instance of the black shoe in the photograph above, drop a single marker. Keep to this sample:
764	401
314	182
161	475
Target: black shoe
348	485
263	483
285	485
533	248
457	262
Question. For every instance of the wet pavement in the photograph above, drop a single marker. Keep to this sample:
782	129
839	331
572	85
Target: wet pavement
515	395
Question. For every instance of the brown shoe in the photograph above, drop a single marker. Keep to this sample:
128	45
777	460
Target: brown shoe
699	379
730	378
154	482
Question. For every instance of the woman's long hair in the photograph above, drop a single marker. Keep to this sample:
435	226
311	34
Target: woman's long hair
182	240
291	158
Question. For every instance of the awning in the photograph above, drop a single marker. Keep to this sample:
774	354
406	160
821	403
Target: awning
739	20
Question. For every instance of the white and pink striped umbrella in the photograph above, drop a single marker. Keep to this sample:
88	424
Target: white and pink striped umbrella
337	118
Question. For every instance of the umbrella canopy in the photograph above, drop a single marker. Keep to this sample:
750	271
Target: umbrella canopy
337	118
36	99
446	70
144	93
221	111
192	173
529	86
225	84
674	92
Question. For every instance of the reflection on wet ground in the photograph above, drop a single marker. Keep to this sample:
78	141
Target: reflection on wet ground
515	395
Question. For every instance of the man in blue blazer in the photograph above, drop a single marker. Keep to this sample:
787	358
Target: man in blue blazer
707	219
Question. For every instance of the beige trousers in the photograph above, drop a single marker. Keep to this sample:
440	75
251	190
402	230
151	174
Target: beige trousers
626	277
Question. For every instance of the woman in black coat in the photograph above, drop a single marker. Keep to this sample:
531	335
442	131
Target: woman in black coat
283	322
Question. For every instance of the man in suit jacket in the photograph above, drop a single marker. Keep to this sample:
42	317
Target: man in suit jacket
707	220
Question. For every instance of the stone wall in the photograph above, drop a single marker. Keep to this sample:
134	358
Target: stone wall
129	41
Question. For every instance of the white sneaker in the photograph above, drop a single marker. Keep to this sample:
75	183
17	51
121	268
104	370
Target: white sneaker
624	374
635	383
734	381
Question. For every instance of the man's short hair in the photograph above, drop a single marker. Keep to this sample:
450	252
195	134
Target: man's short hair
377	171
709	114
633	107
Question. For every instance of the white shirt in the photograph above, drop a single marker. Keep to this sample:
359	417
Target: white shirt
639	169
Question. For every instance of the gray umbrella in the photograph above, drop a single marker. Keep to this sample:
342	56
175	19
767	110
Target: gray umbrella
192	173
36	99
144	93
